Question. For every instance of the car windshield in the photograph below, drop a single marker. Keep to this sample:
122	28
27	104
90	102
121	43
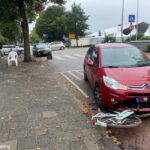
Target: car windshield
123	57
40	46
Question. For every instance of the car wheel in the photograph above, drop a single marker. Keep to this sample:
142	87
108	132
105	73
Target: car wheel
62	48
50	56
98	96
85	76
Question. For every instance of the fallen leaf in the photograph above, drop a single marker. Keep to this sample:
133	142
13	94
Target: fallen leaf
2	118
46	130
55	148
78	136
57	126
81	147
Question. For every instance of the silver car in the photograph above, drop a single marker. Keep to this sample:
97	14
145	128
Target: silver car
56	45
6	49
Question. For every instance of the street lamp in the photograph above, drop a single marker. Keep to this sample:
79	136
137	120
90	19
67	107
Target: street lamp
137	20
122	20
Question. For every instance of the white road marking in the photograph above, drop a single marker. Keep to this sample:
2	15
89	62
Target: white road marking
74	75
58	57
69	56
79	55
76	86
69	70
79	72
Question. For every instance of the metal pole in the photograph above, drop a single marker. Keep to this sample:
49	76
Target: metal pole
122	20
137	20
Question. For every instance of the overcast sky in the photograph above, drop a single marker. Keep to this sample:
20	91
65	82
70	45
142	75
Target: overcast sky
107	13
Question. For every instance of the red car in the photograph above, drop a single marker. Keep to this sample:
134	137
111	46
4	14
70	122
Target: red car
119	75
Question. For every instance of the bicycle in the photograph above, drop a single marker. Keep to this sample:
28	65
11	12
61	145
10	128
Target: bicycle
124	119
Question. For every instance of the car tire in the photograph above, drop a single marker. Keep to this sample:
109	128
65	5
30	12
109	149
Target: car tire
85	76
98	96
62	48
50	56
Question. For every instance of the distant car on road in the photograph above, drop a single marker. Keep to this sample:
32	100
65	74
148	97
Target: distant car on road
6	49
57	45
119	75
20	49
42	49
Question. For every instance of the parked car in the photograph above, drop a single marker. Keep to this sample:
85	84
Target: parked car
57	45
41	50
6	49
119	75
20	49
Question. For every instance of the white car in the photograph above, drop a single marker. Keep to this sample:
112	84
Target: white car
6	49
57	45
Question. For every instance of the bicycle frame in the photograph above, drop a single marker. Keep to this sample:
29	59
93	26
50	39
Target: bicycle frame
119	117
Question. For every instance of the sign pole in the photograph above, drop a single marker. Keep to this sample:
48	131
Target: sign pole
137	20
122	19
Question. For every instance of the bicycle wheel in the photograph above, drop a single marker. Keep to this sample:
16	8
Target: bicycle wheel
131	121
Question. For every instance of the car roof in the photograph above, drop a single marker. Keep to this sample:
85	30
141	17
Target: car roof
113	45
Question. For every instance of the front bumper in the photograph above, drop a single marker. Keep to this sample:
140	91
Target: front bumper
43	53
136	100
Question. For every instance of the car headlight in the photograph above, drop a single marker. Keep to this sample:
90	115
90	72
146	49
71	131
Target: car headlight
113	84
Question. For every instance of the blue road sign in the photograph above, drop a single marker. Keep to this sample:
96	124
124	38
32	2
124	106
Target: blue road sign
131	18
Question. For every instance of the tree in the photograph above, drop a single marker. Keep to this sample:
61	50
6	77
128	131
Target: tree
55	22
34	37
52	23
10	30
23	11
109	39
3	40
76	21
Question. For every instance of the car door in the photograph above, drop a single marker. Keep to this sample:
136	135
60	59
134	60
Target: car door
57	45
91	69
94	68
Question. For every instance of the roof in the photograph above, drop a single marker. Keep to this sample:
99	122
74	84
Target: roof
110	45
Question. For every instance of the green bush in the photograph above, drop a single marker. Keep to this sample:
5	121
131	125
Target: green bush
148	48
109	39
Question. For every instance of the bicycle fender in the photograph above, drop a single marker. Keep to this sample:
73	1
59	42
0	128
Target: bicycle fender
100	123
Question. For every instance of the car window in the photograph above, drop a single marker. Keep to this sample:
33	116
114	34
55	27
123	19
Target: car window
94	56
123	57
41	46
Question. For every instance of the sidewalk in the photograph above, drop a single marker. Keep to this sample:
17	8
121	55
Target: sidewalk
37	114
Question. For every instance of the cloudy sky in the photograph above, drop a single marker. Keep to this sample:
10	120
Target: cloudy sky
107	13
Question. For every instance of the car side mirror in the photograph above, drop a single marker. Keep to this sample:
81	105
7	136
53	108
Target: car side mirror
90	63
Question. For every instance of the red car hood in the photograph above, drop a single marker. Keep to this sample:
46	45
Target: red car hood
134	76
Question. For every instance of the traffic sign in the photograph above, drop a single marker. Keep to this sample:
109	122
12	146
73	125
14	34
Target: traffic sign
131	18
72	36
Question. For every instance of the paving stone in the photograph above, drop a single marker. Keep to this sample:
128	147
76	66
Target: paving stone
77	145
17	133
49	114
10	145
43	140
26	143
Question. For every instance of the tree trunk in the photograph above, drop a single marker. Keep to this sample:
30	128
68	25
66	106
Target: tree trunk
25	30
77	44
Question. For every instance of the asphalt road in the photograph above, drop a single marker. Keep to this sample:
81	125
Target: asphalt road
69	65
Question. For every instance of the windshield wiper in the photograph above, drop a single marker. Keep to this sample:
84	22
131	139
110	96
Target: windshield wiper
111	67
142	65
